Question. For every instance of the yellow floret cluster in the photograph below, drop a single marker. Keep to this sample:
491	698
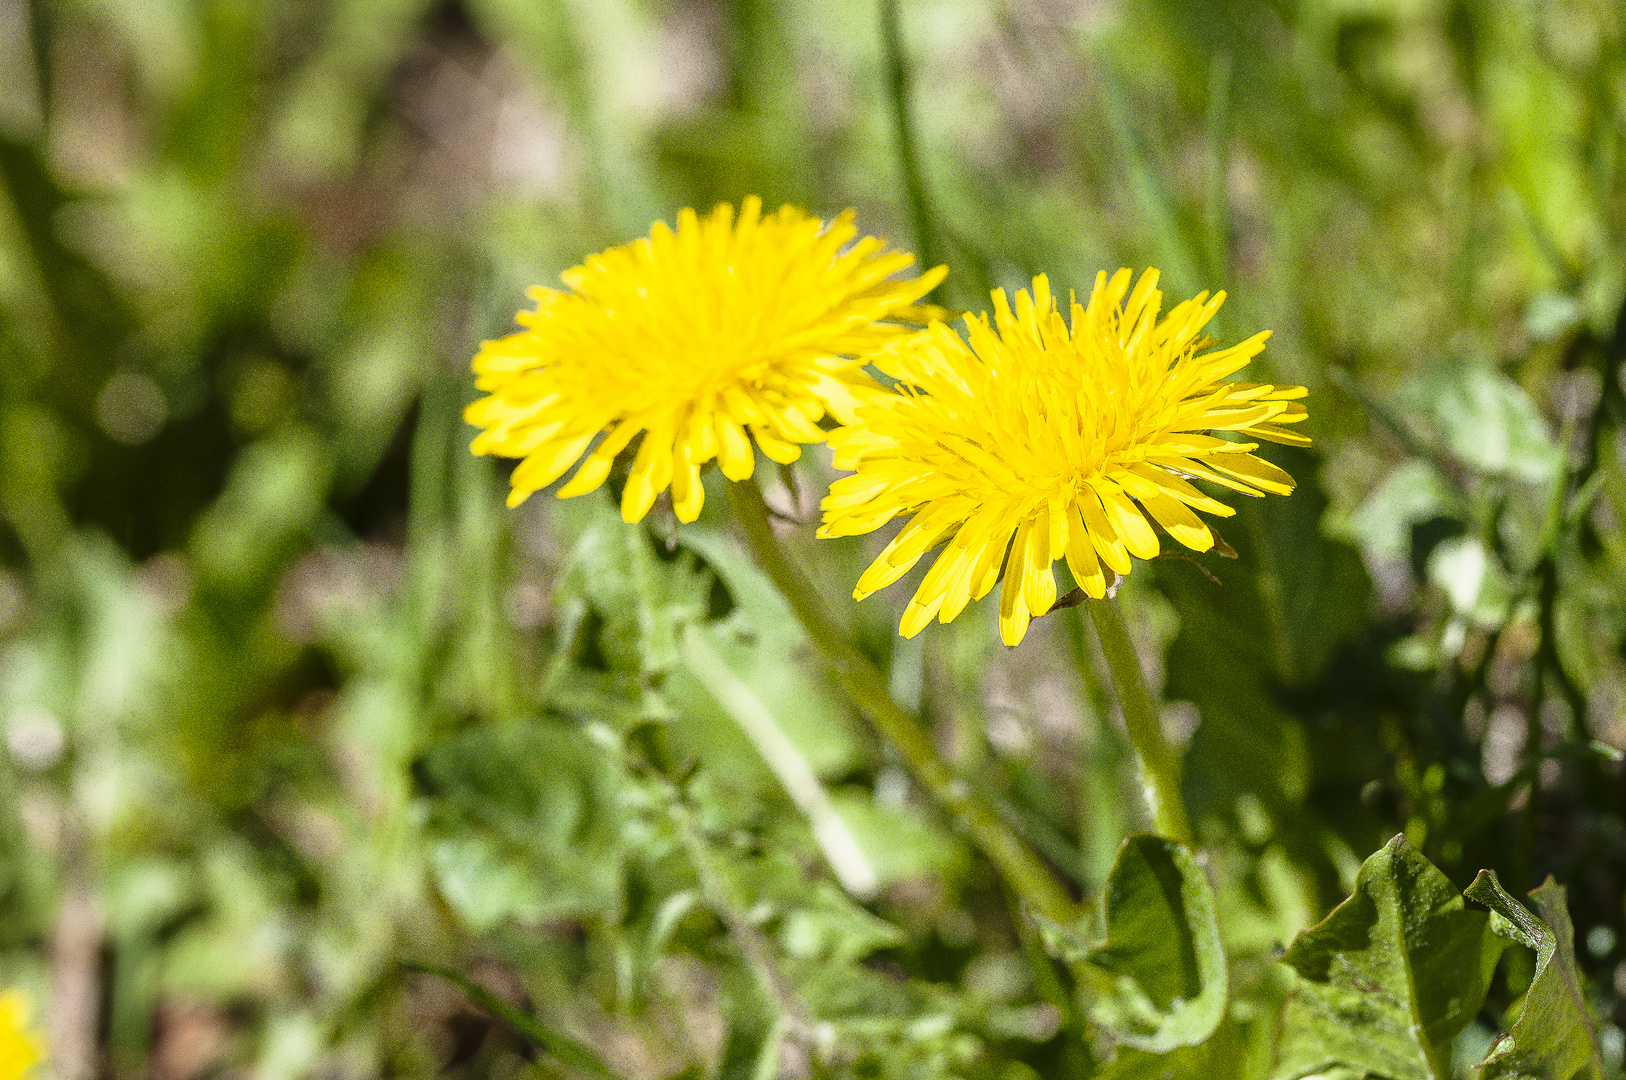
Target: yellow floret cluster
702	340
1031	440
1044	433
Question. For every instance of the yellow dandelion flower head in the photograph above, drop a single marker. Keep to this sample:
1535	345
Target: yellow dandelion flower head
703	339
1052	441
18	1049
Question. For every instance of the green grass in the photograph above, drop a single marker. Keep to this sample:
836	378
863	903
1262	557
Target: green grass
289	699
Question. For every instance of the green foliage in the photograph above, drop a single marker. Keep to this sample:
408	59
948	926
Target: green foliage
289	699
525	821
1389	979
1225	1053
1158	979
1552	1037
570	1053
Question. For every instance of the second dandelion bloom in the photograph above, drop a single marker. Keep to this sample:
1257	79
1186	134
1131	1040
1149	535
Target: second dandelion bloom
1037	438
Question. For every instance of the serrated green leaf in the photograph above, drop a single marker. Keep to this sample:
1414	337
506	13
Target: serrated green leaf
1390	977
761	641
624	599
526	823
1553	1037
482	885
1412	493
644	599
1159	980
831	926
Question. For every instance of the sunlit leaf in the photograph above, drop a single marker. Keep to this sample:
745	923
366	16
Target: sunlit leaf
1553	1038
527	823
1158	980
1390	977
1487	420
1222	1054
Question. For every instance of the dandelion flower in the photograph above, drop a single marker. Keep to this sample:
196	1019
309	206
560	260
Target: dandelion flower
1052	441
703	339
18	1050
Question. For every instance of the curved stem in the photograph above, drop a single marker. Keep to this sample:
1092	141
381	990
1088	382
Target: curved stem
864	685
1159	768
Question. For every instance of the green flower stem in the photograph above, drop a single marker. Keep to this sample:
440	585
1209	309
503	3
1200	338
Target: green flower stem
1026	875
1160	769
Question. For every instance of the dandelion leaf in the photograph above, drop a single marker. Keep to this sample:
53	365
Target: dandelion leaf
1388	979
1223	1054
524	822
1158	981
1553	1037
624	599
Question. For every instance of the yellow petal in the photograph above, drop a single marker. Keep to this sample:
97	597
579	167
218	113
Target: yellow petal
956	590
1256	471
916	615
900	556
1057	517
1038	580
588	478
1179	522
1274	434
777	449
1014	614
651	473
688	494
986	572
1081	560
549	463
734	454
598	463
857	524
1179	489
1201	472
1127	521
1102	535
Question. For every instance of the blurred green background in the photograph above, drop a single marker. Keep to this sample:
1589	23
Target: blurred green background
288	697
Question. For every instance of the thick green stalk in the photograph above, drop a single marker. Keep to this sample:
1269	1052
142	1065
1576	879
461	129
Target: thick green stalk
1026	875
1159	768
